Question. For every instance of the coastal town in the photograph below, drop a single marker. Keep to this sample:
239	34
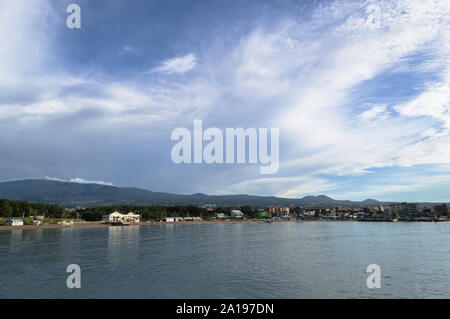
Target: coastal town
390	213
129	215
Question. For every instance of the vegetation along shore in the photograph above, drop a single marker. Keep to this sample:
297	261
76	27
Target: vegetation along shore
44	216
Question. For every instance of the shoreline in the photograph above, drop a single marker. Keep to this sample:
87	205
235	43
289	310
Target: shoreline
153	223
202	222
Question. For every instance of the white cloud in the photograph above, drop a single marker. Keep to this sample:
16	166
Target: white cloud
376	112
77	180
126	49
177	65
433	102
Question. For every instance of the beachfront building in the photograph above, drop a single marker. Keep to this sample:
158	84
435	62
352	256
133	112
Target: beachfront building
169	219
279	211
220	216
309	213
396	209
411	209
237	214
13	222
117	217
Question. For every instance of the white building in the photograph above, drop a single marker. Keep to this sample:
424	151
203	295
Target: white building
124	218
220	216
13	222
169	219
235	213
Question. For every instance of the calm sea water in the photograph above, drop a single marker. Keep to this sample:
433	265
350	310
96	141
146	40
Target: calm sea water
253	260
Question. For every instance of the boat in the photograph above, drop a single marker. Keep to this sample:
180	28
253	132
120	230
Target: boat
117	223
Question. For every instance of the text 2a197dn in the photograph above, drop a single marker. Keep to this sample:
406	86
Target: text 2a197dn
250	308
246	308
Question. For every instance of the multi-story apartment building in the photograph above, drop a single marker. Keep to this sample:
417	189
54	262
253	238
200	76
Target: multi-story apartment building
411	209
279	211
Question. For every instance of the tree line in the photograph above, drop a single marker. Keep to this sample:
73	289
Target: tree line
12	208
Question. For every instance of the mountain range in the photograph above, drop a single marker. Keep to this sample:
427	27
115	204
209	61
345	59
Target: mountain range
69	194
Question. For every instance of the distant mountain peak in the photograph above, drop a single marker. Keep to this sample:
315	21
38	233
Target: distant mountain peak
370	200
318	197
324	197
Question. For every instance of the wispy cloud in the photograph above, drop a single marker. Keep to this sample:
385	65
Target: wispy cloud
126	49
178	65
375	112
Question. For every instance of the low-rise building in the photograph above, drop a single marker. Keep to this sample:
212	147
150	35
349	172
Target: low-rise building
117	217
13	222
235	213
309	213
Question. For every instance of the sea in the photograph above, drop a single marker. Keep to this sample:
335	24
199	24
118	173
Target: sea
229	260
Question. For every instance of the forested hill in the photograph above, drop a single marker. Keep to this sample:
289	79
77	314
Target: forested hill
69	195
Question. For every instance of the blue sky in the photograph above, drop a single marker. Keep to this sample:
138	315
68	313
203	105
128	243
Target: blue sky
360	91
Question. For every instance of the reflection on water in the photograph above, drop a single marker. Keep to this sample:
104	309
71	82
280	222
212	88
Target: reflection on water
123	243
19	238
16	240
